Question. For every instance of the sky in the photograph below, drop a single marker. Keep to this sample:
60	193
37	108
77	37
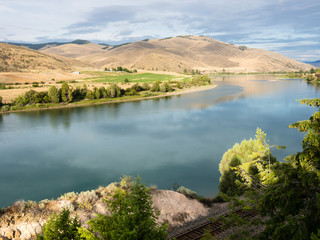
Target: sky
289	27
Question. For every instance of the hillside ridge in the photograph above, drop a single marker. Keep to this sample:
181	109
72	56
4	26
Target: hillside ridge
179	54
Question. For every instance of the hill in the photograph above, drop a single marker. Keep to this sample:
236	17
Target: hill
37	46
16	59
179	53
315	64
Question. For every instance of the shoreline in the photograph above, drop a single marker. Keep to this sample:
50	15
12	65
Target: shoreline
84	104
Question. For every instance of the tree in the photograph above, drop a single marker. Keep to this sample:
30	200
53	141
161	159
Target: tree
114	91
243	166
61	227
293	201
96	92
132	216
54	94
289	202
155	87
1	102
66	93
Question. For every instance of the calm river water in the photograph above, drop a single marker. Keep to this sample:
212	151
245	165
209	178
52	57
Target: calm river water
173	140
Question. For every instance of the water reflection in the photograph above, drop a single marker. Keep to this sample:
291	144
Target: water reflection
165	140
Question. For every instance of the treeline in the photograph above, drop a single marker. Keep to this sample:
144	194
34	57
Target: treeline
313	76
120	69
67	94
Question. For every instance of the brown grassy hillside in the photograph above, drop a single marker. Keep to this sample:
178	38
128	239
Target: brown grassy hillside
21	59
179	53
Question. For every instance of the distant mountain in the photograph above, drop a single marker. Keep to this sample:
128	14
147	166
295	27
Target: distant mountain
17	58
38	46
316	63
179	53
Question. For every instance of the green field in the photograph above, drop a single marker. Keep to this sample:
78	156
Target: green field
139	77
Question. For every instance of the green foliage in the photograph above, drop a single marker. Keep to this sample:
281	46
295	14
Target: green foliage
200	80
229	181
178	85
132	215
61	227
245	165
166	87
31	97
96	93
114	91
1	102
155	87
2	86
145	87
187	192
89	95
66	93
54	94
290	199
315	236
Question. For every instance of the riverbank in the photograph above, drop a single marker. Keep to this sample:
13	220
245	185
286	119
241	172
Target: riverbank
84	103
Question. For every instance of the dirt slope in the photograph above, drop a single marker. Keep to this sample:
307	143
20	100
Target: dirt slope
21	59
179	53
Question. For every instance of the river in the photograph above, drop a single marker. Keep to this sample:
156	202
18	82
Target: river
166	141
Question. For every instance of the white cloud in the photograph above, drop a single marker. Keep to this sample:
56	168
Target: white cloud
267	23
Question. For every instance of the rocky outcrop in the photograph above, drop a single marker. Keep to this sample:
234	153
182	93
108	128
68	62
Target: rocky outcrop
24	220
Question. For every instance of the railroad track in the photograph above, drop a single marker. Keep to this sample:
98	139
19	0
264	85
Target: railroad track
214	228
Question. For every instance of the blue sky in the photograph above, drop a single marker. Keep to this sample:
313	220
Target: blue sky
290	27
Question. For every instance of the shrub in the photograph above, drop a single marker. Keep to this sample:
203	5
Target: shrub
89	95
145	87
132	215
187	192
61	227
155	87
1	102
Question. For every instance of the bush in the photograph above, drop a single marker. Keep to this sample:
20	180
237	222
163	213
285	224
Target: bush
61	227
145	87
132	216
178	85
1	102
187	192
201	80
155	87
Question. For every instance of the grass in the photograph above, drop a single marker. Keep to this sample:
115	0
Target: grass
136	78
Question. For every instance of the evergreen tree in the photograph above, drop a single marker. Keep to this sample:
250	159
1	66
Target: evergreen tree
61	227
